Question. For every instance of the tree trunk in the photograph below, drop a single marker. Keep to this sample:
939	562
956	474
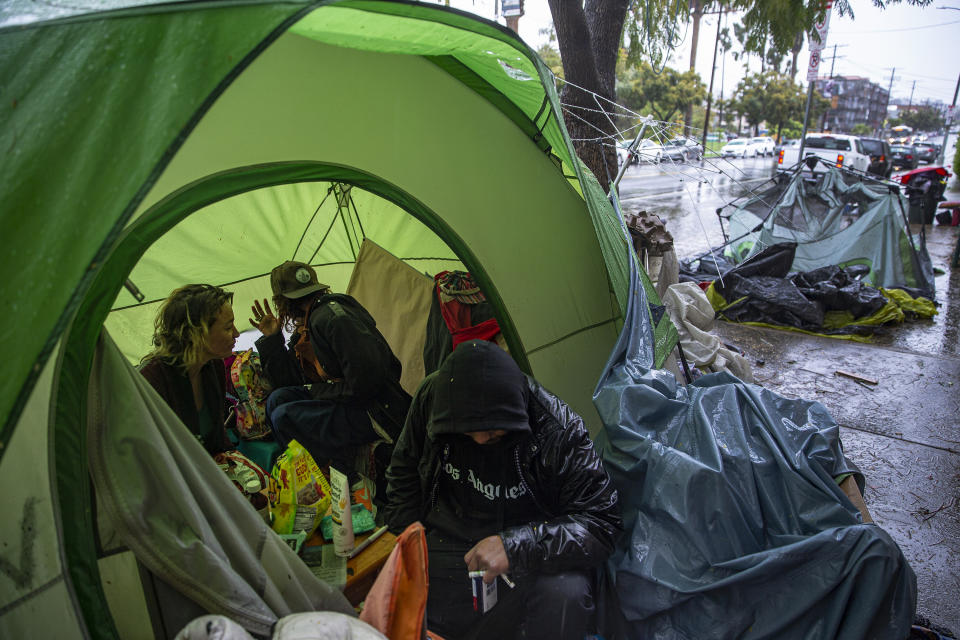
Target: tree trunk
589	40
696	12
797	45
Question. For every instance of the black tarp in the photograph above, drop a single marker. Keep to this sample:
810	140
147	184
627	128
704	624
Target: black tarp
762	289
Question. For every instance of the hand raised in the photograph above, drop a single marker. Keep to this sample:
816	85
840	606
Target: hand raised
263	318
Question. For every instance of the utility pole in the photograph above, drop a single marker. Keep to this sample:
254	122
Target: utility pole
723	69
946	131
833	58
713	69
827	112
886	108
910	104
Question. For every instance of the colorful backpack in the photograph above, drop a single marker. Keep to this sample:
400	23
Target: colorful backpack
252	389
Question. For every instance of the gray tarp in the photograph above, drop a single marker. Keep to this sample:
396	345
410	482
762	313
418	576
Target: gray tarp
735	526
817	217
179	513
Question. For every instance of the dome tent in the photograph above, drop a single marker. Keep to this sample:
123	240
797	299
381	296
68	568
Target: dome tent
207	142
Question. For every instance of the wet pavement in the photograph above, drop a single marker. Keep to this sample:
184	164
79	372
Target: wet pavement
903	432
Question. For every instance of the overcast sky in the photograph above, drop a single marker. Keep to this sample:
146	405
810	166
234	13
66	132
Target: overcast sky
923	45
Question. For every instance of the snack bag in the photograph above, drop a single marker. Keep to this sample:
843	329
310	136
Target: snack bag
241	470
299	493
252	389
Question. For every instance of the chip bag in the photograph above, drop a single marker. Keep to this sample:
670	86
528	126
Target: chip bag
299	493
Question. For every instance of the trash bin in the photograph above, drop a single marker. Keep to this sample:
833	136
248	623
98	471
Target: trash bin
921	211
924	189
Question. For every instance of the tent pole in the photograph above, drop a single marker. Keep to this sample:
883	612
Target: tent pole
632	149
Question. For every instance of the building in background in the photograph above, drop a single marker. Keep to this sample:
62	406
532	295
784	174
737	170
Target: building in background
853	100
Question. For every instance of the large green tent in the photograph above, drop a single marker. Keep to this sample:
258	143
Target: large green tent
146	147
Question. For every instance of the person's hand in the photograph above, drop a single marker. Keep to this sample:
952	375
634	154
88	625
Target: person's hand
488	555
263	318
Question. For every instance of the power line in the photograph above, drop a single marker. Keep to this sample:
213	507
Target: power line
870	68
859	33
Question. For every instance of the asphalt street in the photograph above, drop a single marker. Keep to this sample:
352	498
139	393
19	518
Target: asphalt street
687	195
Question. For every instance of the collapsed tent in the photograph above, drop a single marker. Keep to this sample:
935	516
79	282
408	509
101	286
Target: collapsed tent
735	524
841	220
153	146
829	300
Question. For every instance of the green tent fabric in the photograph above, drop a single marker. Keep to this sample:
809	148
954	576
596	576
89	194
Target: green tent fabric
169	143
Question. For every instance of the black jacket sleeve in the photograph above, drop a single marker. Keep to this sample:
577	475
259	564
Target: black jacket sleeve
279	361
405	484
351	351
567	476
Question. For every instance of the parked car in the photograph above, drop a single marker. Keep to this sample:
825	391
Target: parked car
680	149
881	161
904	156
740	148
650	151
765	144
926	151
647	151
837	150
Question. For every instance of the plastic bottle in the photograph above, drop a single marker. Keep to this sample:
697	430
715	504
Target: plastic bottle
257	499
341	513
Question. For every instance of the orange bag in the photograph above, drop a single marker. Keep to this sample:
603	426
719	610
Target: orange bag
397	602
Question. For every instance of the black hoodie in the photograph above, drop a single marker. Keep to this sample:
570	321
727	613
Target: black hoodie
564	514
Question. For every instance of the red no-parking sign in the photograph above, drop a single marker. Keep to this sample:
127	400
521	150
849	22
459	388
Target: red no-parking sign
817	40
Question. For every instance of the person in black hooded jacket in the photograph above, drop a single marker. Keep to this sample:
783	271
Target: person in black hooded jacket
336	349
506	480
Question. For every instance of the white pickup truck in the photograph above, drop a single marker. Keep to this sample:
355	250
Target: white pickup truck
834	149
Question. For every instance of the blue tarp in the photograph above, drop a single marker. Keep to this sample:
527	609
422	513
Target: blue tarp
735	526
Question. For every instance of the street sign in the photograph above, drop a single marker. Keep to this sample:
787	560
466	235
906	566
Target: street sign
511	8
816	41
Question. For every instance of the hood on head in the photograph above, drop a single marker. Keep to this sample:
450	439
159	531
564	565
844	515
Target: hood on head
479	387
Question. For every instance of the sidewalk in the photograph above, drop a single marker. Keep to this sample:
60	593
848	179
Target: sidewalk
903	433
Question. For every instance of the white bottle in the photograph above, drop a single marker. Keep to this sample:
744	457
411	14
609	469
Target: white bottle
341	513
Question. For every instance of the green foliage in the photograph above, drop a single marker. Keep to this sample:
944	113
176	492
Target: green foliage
769	28
772	28
956	159
551	57
792	130
653	29
769	97
664	95
924	118
775	99
861	129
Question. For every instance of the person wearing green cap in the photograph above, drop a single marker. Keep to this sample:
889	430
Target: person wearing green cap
334	374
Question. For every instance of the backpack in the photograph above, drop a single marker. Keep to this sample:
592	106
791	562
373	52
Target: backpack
252	388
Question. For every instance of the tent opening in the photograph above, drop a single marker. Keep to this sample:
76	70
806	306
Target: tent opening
231	229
